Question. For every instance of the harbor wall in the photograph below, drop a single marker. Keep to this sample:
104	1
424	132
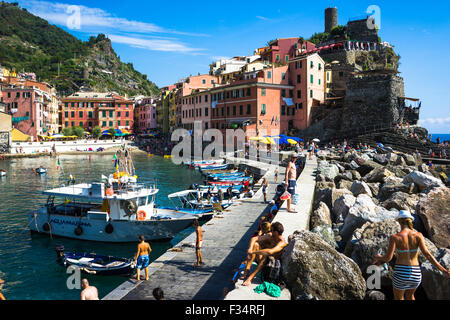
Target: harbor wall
63	146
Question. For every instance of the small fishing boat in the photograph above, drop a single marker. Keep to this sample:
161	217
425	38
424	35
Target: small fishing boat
226	183
208	172
2	173
40	170
215	167
218	175
93	263
203	162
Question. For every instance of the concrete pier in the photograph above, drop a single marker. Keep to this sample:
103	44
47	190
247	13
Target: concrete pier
225	243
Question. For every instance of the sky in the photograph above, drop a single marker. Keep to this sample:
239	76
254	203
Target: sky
172	40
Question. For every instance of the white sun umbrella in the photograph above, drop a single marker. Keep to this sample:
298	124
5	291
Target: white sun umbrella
316	140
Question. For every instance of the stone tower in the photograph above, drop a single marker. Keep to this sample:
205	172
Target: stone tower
331	18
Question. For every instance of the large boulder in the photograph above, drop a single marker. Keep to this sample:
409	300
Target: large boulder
435	284
375	188
401	201
422	180
391	158
381	159
433	209
311	267
360	187
409	159
367	166
389	188
320	216
364	210
378	175
326	233
341	207
323	192
328	170
355	175
397	170
344	184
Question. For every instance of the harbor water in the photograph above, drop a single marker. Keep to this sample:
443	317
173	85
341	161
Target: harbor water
28	261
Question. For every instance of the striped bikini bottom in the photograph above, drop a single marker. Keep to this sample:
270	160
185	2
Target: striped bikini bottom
406	277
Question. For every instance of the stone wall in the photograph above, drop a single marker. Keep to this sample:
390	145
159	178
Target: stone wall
358	30
371	104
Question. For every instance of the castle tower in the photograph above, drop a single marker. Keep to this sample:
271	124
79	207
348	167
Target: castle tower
331	18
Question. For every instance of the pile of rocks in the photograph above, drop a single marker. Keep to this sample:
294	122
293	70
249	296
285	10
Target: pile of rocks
357	198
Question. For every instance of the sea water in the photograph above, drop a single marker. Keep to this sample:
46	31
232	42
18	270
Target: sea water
28	261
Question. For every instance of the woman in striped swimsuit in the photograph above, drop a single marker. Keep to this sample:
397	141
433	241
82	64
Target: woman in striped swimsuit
407	275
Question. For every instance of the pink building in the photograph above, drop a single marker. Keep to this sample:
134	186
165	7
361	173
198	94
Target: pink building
282	50
29	109
196	107
188	87
146	113
307	73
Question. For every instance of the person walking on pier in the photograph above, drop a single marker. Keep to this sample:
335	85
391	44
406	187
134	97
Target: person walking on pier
198	243
265	185
89	292
276	175
407	274
291	180
142	257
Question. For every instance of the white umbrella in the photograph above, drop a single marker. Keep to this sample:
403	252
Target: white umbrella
316	140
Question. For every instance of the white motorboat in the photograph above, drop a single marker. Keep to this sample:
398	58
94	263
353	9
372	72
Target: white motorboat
118	211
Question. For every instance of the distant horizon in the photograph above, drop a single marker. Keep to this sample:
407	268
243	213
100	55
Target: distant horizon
168	45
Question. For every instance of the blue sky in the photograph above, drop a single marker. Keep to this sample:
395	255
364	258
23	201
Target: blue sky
171	40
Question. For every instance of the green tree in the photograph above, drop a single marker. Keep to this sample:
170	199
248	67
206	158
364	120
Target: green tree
79	132
97	132
67	131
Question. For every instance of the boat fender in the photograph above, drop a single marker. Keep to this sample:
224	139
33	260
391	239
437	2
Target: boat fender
141	215
109	228
46	227
78	231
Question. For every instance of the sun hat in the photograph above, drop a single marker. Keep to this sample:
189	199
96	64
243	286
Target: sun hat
405	214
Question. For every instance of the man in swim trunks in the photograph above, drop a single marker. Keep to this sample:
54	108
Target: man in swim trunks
291	180
142	258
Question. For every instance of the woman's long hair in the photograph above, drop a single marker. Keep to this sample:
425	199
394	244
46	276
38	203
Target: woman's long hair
406	222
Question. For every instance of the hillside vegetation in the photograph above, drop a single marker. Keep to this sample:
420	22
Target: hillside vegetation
29	43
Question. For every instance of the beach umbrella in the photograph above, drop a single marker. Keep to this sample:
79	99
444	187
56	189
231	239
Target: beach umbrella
316	140
293	142
256	139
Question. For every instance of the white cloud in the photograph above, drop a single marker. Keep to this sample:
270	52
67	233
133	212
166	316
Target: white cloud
96	20
262	18
438	121
152	44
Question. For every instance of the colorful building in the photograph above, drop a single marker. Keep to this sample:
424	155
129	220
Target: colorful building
306	73
145	111
280	51
91	109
